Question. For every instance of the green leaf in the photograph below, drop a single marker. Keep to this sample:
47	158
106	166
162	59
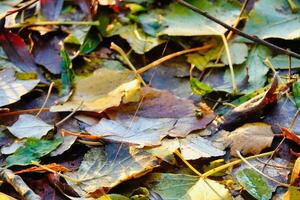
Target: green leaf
186	187
282	62
113	197
257	70
33	150
296	93
238	52
254	184
91	41
200	88
67	74
273	19
177	20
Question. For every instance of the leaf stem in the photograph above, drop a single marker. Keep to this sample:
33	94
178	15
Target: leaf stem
187	163
46	100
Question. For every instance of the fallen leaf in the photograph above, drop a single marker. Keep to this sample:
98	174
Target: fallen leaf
113	197
238	52
103	169
105	88
180	21
252	109
12	89
29	126
186	187
296	93
134	130
6	197
11	148
282	62
292	193
33	150
51	8
52	166
67	73
18	53
249	138
254	184
273	19
289	134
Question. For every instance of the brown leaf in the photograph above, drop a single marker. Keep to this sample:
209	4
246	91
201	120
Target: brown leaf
53	166
289	134
250	110
249	138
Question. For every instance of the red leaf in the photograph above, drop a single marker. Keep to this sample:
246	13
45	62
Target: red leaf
288	134
18	53
51	8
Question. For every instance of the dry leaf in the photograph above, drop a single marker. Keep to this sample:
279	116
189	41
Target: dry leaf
53	166
249	138
105	88
12	89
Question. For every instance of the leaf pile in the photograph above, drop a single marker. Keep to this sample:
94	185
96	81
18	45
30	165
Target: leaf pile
148	99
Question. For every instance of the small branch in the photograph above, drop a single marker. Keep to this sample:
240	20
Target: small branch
48	23
46	100
19	112
173	55
264	175
237	31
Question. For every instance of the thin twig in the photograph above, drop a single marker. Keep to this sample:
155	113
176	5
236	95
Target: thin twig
173	55
46	100
19	112
187	163
237	31
69	115
264	175
48	23
124	56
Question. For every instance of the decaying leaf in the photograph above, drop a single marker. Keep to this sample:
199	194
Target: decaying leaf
12	89
289	134
30	126
105	88
249	138
254	184
103	169
33	150
252	109
52	166
186	187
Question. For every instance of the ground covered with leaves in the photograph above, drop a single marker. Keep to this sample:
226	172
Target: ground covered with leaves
150	100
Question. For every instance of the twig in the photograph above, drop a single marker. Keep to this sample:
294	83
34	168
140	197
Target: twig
19	112
91	143
187	163
294	8
46	100
173	55
69	115
90	137
237	31
124	56
264	175
227	165
48	23
234	87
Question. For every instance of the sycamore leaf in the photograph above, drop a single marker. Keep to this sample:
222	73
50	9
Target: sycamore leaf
102	169
105	88
12	89
273	19
186	187
254	184
30	126
249	138
180	21
33	150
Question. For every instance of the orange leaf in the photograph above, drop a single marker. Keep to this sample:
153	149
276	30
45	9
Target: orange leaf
53	166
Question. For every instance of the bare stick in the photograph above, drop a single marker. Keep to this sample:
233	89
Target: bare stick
237	31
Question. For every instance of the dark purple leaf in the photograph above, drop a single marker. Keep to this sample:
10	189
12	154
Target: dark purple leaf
18	53
46	52
51	8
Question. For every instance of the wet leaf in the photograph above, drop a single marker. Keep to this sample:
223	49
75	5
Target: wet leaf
33	150
254	184
103	169
186	187
105	88
18	53
30	126
249	138
51	8
12	89
273	19
180	21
